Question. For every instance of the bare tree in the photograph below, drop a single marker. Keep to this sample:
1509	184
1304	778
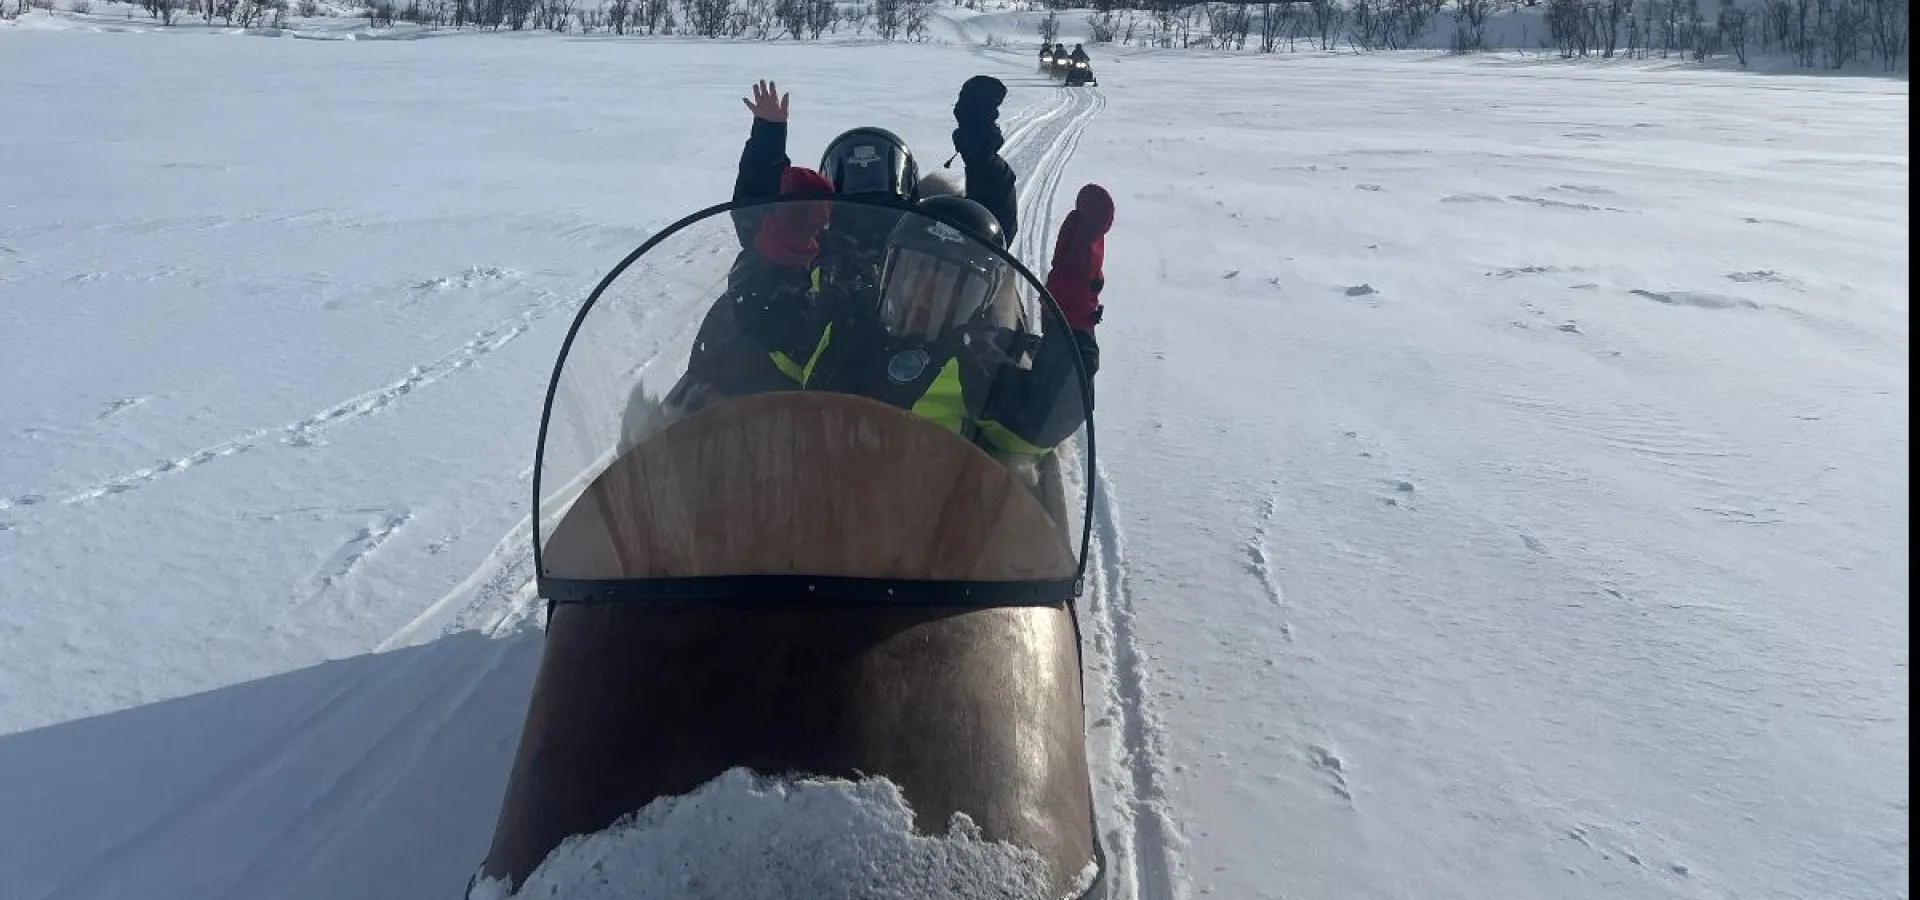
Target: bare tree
652	14
1190	15
1102	25
707	18
1890	27
1733	30
887	19
1565	22
1230	23
857	15
1470	25
755	19
1049	27
1845	24
1413	17
913	18
1375	26
1327	16
821	15
1613	14
1274	18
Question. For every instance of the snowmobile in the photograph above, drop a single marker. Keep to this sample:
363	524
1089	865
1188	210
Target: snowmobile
1057	62
1079	72
797	582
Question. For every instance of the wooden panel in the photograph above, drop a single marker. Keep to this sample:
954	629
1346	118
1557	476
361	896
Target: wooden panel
969	710
808	483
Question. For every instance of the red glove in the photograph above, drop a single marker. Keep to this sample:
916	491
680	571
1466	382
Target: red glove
786	234
1079	255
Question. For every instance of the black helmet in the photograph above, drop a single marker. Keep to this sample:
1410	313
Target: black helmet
941	271
870	161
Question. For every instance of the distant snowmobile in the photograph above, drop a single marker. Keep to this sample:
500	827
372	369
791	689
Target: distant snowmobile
1056	61
803	581
1079	69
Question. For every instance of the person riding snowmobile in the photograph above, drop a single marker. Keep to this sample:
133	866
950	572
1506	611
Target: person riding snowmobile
771	283
1079	67
873	163
1077	274
839	266
942	338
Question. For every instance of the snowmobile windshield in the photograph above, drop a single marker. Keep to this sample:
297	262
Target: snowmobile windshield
727	420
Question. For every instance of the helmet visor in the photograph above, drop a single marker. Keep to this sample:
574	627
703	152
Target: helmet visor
925	297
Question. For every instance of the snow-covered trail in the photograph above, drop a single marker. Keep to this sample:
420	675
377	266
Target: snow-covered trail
1125	745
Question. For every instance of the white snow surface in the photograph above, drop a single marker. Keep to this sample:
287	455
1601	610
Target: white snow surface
741	837
1503	473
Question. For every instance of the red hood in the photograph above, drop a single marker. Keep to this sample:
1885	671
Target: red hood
787	231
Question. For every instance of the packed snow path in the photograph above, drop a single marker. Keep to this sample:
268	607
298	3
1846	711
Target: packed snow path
1504	465
1129	760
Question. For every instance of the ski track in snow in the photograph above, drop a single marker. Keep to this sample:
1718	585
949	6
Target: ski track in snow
307	431
500	595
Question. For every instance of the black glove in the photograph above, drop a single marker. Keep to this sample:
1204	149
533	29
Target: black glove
975	141
979	102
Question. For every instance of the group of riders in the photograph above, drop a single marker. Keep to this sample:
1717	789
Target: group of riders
1074	66
864	277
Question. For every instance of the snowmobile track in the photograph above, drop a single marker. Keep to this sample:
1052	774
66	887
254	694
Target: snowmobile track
1140	838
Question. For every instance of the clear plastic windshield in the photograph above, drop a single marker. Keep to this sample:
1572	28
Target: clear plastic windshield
731	403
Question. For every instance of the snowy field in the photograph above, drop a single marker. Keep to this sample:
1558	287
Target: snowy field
1504	465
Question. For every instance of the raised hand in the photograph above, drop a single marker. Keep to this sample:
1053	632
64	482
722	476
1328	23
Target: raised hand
767	103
